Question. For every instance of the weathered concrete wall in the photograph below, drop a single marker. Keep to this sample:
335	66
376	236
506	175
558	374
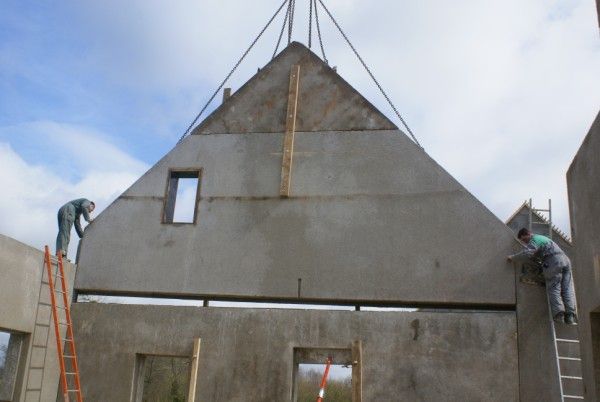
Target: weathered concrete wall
584	202
21	269
247	354
326	102
371	217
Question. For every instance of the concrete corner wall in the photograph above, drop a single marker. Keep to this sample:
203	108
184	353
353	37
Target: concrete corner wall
21	268
584	203
247	354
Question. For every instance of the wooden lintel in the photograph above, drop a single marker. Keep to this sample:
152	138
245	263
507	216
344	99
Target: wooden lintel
194	371
290	130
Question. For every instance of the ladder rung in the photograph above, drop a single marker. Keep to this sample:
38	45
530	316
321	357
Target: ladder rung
64	323
567	340
69	357
73	390
573	396
70	373
577	359
571	377
60	291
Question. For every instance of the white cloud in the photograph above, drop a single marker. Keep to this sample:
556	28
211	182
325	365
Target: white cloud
499	92
35	190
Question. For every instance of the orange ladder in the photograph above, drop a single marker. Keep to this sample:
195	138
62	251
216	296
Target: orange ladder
69	380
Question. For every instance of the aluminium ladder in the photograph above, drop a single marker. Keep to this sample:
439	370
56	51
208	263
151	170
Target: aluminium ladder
56	310
568	367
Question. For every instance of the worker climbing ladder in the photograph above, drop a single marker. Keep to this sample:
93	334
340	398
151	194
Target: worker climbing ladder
53	305
565	338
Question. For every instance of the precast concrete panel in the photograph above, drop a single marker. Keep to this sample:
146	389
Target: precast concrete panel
21	270
584	203
325	101
247	354
370	217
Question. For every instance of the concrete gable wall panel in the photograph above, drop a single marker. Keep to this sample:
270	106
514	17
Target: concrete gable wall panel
371	217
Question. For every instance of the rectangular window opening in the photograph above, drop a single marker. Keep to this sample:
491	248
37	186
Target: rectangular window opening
309	367
162	378
10	355
182	196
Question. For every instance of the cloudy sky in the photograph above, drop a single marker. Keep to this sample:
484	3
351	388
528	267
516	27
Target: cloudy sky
92	93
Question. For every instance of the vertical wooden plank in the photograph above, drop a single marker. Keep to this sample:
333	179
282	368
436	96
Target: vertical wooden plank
290	130
194	371
357	371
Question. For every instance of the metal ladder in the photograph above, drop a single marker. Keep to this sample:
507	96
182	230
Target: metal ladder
59	312
34	380
562	344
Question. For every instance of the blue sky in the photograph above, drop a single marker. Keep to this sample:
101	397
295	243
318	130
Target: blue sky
500	93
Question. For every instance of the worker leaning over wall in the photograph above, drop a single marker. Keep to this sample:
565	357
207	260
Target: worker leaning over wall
67	215
557	273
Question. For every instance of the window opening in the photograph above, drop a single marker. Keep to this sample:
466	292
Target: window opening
162	378
10	353
339	382
182	196
309	366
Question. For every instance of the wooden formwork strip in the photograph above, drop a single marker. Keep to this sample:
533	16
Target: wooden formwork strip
194	371
357	371
290	130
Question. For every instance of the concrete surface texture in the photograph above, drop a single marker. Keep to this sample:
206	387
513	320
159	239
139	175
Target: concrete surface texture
21	269
371	219
247	355
327	102
584	204
371	216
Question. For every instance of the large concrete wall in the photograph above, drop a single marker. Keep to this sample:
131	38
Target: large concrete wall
21	269
371	217
247	354
584	202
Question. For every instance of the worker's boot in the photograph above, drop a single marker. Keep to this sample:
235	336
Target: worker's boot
560	318
571	319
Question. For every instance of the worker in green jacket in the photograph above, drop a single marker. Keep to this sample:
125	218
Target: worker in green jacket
557	273
67	215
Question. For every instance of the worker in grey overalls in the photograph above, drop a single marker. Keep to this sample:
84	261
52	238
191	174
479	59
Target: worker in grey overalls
557	273
69	214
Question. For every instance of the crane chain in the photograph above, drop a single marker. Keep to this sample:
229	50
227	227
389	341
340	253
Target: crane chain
232	71
370	73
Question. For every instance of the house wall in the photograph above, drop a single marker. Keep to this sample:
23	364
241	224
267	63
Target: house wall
21	269
371	217
584	203
247	354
